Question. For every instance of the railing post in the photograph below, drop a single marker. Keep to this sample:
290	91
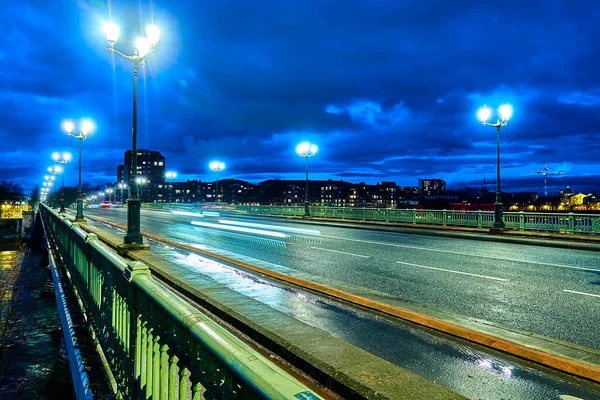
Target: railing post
414	216
137	331
571	223
444	216
479	219
521	221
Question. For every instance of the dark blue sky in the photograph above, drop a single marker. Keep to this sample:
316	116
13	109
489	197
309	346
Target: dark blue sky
387	89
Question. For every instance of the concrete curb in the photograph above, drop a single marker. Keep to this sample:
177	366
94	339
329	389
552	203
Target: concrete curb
561	356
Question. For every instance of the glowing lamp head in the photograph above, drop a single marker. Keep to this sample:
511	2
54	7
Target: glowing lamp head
484	114
153	34
68	126
142	46
55	156
86	126
111	31
171	175
506	112
306	149
217	166
67	156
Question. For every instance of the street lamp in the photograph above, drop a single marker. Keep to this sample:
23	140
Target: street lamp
54	170
144	46
62	159
140	181
217	166
85	129
110	192
170	175
306	149
484	114
122	186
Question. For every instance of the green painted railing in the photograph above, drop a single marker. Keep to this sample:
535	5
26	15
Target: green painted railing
522	221
157	345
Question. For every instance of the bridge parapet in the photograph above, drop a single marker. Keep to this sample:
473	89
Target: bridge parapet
569	223
157	345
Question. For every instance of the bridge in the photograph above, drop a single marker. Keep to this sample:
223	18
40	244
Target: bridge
240	304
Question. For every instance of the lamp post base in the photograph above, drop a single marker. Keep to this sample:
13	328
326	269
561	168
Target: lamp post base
125	247
134	234
80	220
498	220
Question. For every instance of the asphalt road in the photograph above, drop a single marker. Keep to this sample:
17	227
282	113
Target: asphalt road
550	291
472	371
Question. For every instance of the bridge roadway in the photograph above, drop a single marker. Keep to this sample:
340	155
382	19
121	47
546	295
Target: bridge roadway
522	286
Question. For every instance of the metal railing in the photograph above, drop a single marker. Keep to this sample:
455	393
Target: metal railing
157	345
523	221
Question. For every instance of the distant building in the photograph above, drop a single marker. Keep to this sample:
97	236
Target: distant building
150	167
432	187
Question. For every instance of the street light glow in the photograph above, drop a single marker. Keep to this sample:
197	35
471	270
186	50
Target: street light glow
153	34
506	112
111	31
484	114
68	126
217	166
86	126
307	149
171	175
143	46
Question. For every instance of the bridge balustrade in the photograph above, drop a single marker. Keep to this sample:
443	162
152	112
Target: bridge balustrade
157	345
523	221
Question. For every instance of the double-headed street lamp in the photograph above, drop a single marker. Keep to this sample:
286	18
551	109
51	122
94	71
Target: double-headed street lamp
62	159
54	170
84	131
484	114
170	175
122	186
217	166
306	149
144	46
109	191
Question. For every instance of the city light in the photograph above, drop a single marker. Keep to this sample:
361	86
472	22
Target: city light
484	114
505	112
306	150
143	46
217	166
153	34
86	127
111	31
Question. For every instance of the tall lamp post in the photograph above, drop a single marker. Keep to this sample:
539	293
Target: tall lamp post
484	114
84	131
144	46
306	149
217	166
110	192
170	175
62	159
122	186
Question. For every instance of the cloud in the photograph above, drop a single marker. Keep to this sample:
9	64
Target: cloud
388	90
